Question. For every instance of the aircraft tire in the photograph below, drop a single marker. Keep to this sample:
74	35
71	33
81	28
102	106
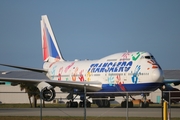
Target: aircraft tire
73	104
146	105
81	104
67	104
88	104
123	104
106	103
130	104
141	104
99	103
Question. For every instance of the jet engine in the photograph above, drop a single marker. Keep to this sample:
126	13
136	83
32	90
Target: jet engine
47	91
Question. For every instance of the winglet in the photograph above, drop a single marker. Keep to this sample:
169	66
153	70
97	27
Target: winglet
50	49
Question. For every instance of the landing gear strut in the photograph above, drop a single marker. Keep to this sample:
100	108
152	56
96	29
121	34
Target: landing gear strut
144	103
71	103
74	104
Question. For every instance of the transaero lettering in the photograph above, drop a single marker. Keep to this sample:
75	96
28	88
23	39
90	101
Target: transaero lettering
110	67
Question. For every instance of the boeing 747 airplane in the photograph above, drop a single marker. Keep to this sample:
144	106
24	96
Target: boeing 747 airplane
107	77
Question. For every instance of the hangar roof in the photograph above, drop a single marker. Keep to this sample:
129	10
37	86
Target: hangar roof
171	74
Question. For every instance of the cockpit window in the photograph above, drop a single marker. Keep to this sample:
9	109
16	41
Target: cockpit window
149	57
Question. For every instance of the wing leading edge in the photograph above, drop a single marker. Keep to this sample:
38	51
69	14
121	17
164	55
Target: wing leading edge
90	86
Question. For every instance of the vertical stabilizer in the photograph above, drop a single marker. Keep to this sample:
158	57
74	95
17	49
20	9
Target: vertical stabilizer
50	49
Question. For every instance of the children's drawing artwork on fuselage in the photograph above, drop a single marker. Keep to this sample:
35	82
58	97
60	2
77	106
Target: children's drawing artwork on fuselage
68	67
153	63
125	56
53	72
81	77
115	81
136	56
135	74
88	76
111	80
56	60
74	74
60	73
120	83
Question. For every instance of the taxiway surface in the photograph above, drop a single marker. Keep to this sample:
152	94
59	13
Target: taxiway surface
121	112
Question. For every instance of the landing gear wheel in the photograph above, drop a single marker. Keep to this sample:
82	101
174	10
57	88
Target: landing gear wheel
67	104
88	104
99	103
81	104
74	104
123	104
143	104
71	104
106	103
103	103
147	104
130	104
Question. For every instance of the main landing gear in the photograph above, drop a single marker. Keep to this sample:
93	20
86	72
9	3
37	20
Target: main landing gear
143	103
102	102
75	104
125	102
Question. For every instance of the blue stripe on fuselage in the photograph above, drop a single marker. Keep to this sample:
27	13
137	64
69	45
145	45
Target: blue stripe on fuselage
131	87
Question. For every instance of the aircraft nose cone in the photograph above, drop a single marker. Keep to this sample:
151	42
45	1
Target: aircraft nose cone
157	76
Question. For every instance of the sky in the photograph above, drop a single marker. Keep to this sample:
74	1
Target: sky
90	29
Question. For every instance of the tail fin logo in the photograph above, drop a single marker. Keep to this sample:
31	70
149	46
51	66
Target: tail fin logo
50	47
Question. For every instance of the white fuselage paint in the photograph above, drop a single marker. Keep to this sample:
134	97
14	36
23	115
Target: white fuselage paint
121	68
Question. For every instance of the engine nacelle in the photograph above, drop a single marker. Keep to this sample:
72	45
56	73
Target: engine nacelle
47	91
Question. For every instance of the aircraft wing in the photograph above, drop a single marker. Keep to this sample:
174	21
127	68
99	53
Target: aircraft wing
174	81
90	86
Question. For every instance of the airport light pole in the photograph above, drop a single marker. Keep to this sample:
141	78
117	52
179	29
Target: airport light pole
127	98
169	107
162	100
84	101
40	105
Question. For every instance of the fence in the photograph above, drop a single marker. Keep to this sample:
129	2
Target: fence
154	99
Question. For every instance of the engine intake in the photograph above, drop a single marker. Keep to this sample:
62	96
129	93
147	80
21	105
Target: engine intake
48	94
47	91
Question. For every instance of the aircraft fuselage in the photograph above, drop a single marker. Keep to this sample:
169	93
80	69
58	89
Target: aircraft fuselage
135	71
